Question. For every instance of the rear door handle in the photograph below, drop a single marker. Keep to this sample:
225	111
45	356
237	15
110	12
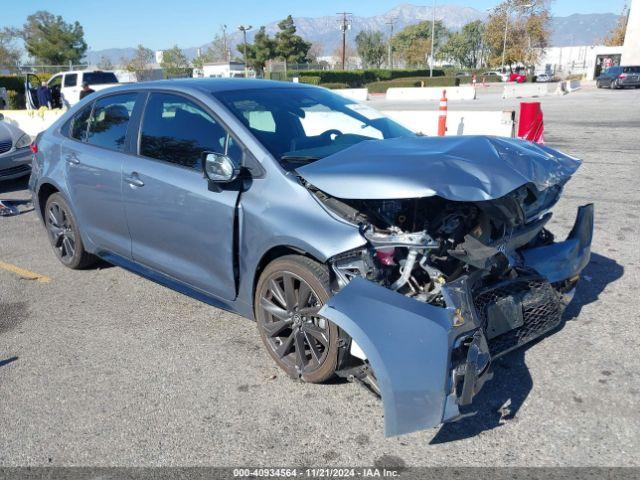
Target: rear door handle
72	158
134	180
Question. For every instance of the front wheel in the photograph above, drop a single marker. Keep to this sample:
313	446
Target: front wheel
288	296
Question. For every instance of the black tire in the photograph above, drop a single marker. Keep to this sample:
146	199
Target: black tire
64	235
290	290
598	84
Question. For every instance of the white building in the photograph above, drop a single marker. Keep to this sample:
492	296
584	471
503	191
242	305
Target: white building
631	52
587	60
222	70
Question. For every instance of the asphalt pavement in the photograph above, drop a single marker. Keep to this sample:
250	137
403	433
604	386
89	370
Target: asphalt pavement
101	367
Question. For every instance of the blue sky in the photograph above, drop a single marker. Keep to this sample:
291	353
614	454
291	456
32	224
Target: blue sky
188	23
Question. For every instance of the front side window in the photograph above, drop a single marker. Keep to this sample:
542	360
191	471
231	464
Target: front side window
177	130
109	121
70	79
55	82
79	124
299	125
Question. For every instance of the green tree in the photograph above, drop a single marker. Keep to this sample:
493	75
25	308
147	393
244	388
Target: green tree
51	40
260	51
139	64
291	48
371	48
465	47
413	43
174	63
10	53
527	26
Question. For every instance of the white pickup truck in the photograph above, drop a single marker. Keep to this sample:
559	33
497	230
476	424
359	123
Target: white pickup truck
66	86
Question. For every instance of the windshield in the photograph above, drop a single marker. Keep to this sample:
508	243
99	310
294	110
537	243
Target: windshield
300	125
98	78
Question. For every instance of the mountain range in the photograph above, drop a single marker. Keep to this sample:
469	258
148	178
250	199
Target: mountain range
576	29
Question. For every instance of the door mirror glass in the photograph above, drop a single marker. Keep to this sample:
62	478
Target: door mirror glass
219	168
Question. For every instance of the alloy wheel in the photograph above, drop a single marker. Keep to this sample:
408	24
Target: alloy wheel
61	232
295	332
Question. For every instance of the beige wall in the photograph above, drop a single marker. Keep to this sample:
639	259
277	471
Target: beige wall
631	50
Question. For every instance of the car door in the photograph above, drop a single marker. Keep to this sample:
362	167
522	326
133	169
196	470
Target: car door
178	226
70	89
94	154
31	84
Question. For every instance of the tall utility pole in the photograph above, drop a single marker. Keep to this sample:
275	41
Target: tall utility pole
244	29
345	24
391	23
225	43
506	26
433	35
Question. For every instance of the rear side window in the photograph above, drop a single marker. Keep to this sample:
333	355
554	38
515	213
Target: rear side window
109	121
98	78
176	130
71	80
79	124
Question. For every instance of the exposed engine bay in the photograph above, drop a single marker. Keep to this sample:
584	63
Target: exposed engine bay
418	245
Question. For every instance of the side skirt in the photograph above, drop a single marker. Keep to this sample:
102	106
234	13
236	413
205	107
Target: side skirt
169	282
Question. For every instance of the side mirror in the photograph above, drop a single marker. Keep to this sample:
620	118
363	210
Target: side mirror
219	168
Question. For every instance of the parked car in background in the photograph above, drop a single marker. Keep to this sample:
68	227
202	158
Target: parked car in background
543	77
362	250
15	154
493	75
66	86
518	77
619	77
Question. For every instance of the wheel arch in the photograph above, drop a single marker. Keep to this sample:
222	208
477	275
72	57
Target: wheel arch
274	253
45	190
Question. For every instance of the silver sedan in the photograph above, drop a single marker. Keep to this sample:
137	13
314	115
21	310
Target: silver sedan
15	155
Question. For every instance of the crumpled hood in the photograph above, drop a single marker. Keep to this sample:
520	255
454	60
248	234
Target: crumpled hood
462	168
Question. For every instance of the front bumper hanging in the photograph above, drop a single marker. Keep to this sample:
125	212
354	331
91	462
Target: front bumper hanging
428	360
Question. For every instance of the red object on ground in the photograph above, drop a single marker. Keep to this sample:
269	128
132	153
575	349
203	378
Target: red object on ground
530	123
442	118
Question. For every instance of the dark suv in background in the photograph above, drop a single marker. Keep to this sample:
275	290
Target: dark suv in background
619	77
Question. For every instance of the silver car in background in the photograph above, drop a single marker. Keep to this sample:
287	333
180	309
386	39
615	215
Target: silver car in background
361	250
15	155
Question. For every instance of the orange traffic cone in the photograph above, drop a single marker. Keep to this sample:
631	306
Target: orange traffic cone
442	118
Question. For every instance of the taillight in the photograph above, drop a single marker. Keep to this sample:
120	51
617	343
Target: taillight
34	148
622	75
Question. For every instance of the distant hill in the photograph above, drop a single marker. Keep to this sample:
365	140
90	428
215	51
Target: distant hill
581	29
576	29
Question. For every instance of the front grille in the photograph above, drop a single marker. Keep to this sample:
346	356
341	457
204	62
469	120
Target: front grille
15	170
5	146
541	310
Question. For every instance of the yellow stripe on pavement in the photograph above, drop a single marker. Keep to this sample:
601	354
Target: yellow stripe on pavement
22	273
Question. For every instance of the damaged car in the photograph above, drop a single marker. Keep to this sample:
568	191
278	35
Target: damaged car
404	263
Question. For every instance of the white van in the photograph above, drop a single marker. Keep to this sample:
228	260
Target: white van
66	86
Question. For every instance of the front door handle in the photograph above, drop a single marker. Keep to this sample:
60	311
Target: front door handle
72	158
134	180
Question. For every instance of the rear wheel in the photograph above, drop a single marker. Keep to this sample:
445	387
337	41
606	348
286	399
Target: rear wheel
64	234
289	294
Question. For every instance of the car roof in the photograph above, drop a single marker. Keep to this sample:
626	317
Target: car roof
213	85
